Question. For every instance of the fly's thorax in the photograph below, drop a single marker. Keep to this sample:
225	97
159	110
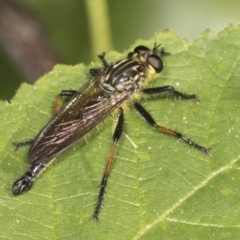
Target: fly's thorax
129	74
125	75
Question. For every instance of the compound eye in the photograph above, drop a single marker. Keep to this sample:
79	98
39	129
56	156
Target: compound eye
155	62
141	49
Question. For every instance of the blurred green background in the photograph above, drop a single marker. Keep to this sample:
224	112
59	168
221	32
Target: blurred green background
66	24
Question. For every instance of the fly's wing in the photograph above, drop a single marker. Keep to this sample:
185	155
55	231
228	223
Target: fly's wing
82	113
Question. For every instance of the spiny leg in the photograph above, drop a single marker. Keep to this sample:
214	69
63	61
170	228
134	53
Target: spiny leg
178	135
159	90
25	182
68	93
116	137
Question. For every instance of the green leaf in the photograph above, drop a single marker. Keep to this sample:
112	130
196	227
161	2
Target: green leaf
160	190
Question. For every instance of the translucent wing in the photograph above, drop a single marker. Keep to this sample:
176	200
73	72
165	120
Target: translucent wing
83	112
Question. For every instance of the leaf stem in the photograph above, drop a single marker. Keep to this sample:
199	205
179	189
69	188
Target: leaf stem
99	25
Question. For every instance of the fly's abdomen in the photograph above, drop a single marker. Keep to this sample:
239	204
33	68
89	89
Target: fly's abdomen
25	182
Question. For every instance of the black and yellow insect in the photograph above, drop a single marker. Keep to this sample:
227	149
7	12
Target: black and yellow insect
109	88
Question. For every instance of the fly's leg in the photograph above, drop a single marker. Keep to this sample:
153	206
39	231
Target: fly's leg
170	89
95	71
116	137
25	182
178	135
104	62
22	144
68	93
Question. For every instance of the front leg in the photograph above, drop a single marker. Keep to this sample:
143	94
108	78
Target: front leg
68	93
95	71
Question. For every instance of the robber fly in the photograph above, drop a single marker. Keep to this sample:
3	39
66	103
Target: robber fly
110	87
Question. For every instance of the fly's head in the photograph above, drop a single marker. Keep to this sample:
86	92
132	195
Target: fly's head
130	73
150	58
